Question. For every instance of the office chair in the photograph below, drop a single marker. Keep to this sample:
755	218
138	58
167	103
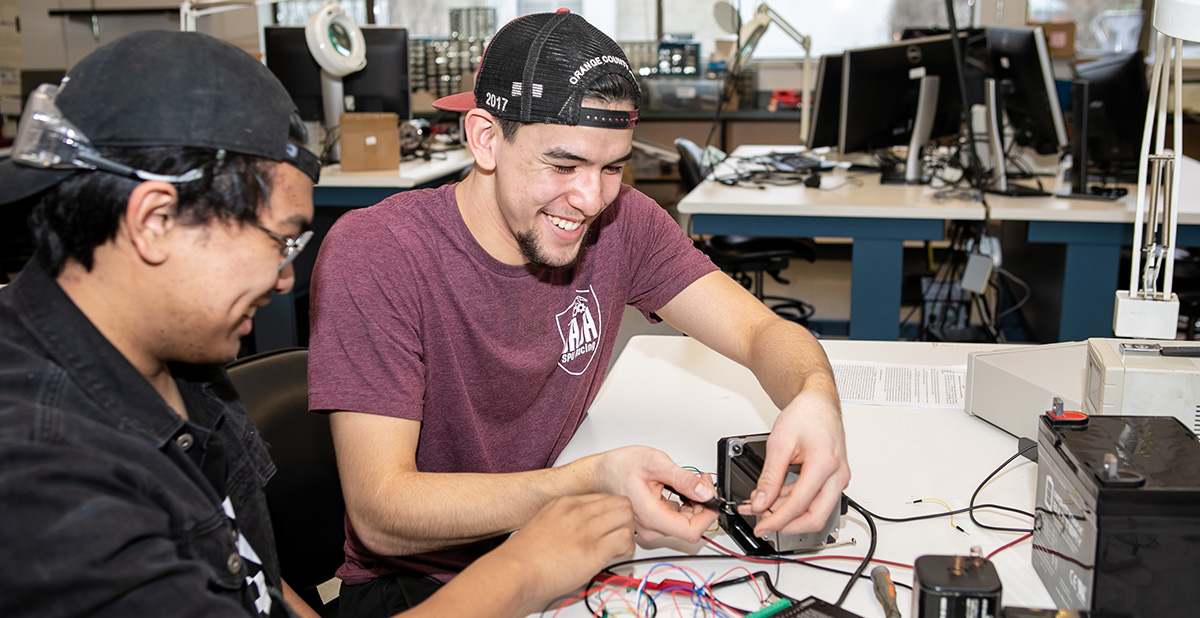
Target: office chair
305	495
748	259
16	240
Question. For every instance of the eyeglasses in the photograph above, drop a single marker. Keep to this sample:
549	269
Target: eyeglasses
291	247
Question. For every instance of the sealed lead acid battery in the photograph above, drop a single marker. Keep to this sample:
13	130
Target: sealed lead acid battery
1117	528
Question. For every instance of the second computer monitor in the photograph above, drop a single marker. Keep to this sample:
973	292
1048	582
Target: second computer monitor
827	104
880	87
382	86
1025	86
1116	109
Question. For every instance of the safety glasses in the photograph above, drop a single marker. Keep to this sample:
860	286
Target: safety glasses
47	140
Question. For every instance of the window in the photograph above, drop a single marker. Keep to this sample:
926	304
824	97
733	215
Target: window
1087	15
837	25
295	13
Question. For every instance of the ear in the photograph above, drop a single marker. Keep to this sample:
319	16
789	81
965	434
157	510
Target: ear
482	132
150	216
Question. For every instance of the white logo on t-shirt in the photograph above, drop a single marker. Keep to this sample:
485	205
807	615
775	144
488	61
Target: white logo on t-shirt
579	327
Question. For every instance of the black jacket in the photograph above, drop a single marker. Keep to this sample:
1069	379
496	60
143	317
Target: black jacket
111	504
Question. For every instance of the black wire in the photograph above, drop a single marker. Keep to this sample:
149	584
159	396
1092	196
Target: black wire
956	44
985	482
999	507
866	559
714	586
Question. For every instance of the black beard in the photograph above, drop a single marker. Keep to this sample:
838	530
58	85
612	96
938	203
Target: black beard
533	250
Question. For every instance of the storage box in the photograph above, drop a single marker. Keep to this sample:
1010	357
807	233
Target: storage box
370	141
1060	38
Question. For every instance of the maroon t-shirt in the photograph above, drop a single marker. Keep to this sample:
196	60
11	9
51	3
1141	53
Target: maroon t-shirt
412	318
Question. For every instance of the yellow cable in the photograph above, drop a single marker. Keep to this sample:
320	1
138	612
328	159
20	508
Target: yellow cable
943	503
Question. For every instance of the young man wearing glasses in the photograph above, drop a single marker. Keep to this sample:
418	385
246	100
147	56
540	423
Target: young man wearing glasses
170	193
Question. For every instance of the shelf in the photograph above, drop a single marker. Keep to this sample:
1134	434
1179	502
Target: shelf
174	10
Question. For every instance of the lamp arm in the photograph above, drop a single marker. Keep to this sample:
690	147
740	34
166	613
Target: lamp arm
191	10
803	40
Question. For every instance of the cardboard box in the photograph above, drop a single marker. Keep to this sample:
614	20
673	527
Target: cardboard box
1060	38
370	141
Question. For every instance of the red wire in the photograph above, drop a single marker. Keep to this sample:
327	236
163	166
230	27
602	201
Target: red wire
806	559
1007	545
753	580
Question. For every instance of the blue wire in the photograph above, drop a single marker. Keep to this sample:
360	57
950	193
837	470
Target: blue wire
646	578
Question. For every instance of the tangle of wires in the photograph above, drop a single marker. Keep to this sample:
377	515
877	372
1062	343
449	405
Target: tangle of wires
951	313
613	593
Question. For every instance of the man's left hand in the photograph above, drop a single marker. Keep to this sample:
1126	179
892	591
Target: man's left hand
808	432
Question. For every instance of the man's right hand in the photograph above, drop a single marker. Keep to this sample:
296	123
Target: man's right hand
569	540
641	473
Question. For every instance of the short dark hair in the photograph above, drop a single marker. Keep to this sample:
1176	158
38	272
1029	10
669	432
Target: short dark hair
84	211
608	89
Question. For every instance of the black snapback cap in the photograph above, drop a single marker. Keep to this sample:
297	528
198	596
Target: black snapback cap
169	88
536	69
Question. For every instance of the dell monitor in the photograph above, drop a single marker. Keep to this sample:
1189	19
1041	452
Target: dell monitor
882	94
1025	87
382	86
827	104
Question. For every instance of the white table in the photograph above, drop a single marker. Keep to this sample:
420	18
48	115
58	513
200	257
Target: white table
352	189
879	218
675	394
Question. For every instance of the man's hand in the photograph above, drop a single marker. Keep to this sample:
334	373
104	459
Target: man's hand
640	473
567	542
808	432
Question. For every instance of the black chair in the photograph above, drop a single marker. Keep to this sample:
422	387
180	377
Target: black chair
16	239
748	259
305	495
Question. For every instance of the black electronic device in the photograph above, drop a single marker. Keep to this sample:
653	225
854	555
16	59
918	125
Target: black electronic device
1117	526
955	587
827	104
739	464
1020	63
1117	96
381	86
881	89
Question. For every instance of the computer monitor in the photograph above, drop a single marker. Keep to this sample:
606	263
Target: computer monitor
827	104
880	88
1025	87
382	86
1117	96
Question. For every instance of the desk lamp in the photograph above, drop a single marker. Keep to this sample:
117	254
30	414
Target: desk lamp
336	43
749	34
1143	311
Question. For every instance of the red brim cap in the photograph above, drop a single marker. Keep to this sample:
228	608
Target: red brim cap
461	102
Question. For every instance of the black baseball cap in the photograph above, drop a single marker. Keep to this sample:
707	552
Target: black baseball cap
536	69
169	88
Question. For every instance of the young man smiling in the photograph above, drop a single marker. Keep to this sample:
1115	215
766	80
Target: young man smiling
460	334
170	192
